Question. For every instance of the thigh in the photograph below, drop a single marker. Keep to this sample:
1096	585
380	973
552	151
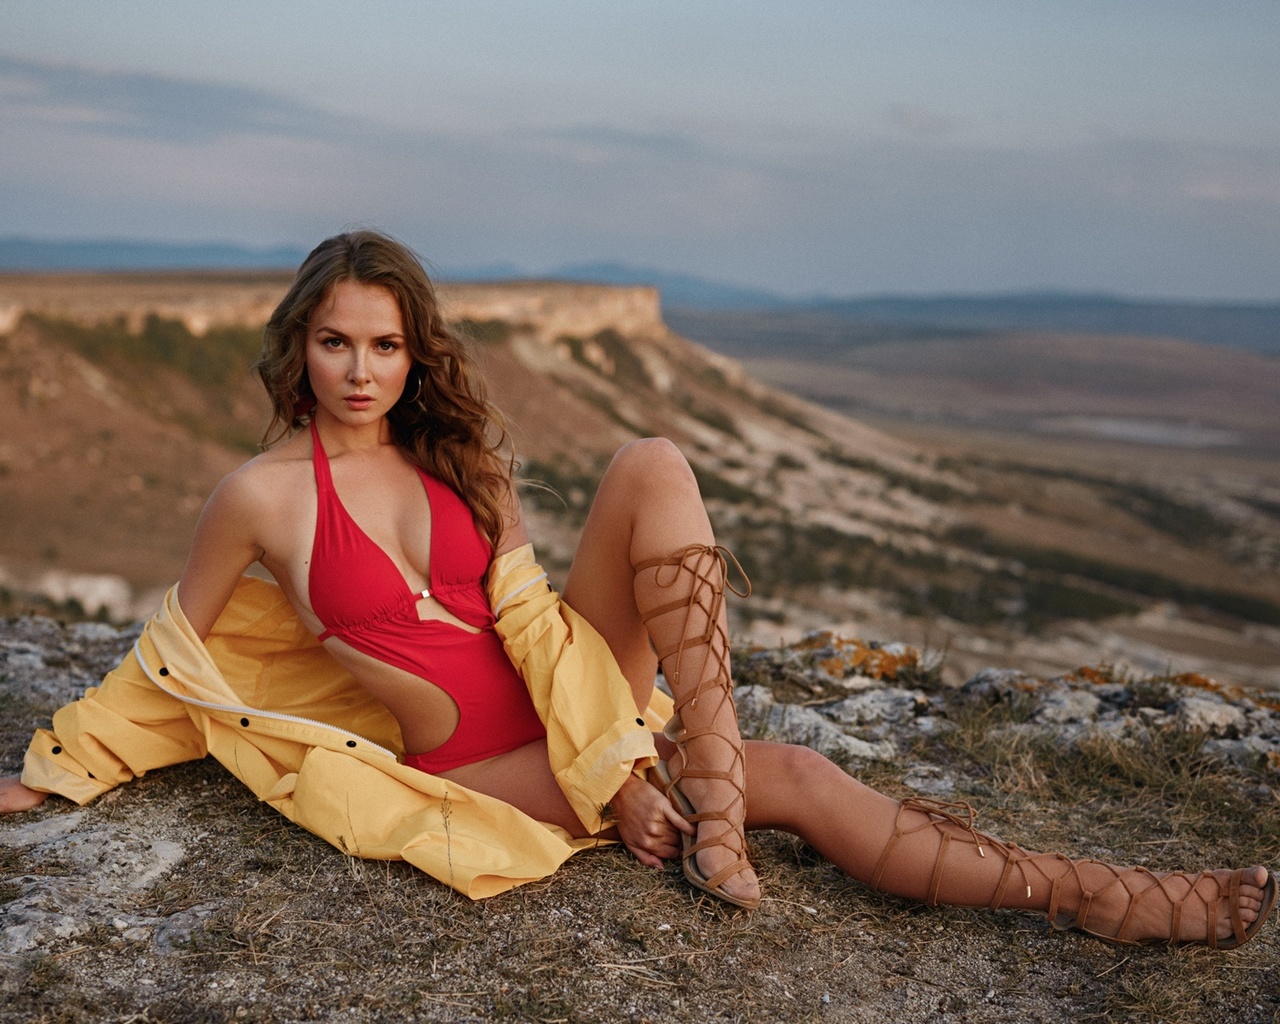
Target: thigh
647	506
523	779
600	588
600	584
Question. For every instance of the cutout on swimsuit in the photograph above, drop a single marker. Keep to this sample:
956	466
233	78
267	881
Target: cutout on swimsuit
361	597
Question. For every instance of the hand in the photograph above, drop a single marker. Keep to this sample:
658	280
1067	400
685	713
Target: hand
14	796
647	823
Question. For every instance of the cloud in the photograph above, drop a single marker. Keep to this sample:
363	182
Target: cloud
1237	188
918	120
144	106
599	144
90	152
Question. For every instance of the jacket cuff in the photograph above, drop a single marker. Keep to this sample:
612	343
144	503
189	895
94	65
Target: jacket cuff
592	779
49	768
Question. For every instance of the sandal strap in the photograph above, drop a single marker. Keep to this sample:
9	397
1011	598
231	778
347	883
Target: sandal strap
1089	882
950	818
705	569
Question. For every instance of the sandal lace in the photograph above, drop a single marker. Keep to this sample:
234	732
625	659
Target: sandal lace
955	821
708	567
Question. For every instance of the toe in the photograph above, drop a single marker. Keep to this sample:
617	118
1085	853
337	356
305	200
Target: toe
744	886
1252	882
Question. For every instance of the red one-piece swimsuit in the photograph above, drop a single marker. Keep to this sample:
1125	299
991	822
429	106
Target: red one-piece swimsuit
361	597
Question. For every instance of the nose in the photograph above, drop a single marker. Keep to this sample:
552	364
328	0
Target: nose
359	371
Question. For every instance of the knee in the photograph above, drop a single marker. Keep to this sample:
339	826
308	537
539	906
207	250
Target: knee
783	779
652	459
804	764
799	768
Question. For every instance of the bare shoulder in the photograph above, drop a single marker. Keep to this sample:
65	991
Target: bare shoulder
251	515
260	485
255	508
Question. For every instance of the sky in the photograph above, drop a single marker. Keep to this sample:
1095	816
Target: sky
805	147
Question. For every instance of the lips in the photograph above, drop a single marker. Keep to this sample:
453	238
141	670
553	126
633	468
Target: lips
359	401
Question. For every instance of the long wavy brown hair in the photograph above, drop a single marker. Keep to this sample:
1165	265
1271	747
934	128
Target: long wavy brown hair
442	421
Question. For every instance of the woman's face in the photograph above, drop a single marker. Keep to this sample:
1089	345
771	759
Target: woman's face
357	356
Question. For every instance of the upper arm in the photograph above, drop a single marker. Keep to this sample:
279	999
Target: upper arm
514	535
225	545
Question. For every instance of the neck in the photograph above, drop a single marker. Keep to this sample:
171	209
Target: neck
339	437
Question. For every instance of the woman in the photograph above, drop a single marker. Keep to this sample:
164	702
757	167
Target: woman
384	516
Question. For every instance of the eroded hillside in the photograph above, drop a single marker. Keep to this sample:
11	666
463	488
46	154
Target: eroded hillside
124	398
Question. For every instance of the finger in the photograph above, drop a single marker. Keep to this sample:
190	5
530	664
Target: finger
661	835
645	858
673	817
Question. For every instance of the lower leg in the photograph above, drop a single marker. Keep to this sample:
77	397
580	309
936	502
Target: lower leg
1119	904
648	508
683	598
931	852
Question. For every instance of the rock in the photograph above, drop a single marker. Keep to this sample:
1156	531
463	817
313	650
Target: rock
110	867
1113	728
887	704
1202	714
999	684
177	929
832	660
1246	752
929	725
44	660
1061	705
930	780
43	830
759	715
120	861
24	926
104	867
97	632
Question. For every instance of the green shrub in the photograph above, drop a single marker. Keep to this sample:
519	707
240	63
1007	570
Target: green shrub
483	332
215	359
625	367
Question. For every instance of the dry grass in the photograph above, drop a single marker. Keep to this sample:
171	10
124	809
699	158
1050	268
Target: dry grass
1153	798
281	927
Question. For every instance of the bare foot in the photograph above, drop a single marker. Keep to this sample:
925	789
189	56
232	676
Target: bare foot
1136	905
721	843
14	796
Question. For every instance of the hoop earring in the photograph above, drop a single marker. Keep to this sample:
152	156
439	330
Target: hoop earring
304	399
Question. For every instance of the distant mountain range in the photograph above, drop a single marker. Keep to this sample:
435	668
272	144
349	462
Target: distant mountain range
1254	326
1242	325
19	253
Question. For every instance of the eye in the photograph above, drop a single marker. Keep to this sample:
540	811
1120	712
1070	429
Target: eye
331	342
388	346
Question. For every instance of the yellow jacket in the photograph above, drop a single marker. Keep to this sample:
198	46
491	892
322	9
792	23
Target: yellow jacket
267	701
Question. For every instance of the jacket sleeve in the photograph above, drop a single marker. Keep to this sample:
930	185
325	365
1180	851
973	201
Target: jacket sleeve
115	732
594	735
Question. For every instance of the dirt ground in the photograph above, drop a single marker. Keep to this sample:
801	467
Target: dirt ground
259	921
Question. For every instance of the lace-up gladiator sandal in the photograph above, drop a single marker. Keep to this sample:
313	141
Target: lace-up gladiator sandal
1081	882
704	718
